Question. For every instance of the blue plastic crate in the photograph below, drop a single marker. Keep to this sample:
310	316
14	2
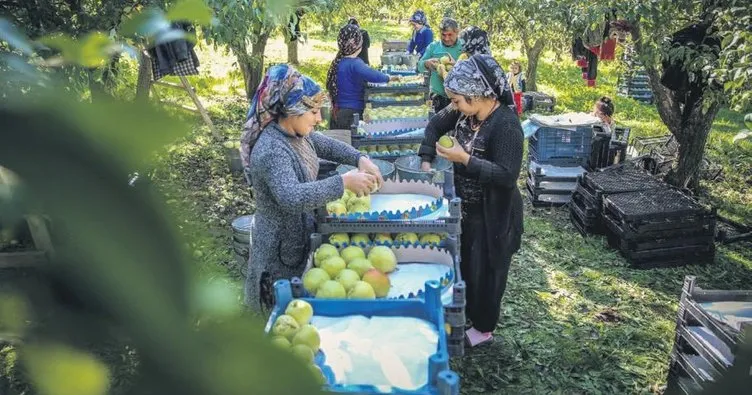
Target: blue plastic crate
441	380
548	144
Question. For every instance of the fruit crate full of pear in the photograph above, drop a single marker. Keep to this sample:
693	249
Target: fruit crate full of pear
374	253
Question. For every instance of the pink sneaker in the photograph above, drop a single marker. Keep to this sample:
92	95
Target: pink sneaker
475	338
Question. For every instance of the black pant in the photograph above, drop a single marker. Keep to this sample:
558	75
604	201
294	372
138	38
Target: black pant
342	118
485	279
439	102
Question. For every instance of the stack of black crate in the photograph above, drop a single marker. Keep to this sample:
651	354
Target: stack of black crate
709	330
587	199
659	227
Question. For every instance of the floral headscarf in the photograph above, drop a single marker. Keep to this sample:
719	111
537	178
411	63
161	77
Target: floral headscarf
350	41
420	18
475	41
284	91
479	76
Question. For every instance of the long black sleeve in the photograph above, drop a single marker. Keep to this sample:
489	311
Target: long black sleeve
505	144
438	126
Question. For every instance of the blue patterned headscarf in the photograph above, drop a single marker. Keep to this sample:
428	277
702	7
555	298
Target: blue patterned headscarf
479	76
283	92
475	41
420	18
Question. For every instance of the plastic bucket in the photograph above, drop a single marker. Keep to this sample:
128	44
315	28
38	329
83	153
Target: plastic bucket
408	168
386	168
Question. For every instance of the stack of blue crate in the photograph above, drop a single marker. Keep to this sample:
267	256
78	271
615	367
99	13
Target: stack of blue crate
557	157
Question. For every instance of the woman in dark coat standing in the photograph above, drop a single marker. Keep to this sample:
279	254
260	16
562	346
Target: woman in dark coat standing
487	154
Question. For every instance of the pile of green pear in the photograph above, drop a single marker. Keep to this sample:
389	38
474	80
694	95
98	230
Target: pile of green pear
389	150
397	112
350	273
349	203
294	333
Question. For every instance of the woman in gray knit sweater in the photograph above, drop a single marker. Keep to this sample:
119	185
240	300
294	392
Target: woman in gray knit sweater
282	151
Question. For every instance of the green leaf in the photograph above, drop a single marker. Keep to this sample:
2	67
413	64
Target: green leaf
190	10
145	24
95	50
68	47
14	37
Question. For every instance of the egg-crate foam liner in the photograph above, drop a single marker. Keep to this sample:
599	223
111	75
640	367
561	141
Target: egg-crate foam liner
654	204
551	188
415	266
404	200
619	179
671	229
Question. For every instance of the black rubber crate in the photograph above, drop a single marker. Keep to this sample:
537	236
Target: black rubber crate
541	185
651	209
585	224
620	178
659	230
547	199
585	202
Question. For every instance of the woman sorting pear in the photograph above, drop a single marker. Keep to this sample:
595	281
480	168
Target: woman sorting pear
483	137
281	152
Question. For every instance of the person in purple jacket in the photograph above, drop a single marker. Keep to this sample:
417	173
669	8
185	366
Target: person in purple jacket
422	34
347	78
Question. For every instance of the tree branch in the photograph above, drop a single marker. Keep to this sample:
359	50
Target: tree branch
668	107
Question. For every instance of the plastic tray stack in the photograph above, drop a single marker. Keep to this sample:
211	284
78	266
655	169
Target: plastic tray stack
560	147
635	82
441	380
706	343
659	227
608	149
549	185
586	208
389	132
375	92
538	101
450	225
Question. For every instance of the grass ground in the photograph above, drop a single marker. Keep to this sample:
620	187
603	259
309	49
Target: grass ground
576	318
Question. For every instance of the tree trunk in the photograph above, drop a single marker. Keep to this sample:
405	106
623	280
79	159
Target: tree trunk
143	82
292	52
692	136
688	123
251	64
96	87
533	55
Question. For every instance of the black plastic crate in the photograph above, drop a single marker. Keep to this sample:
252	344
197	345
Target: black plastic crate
539	200
655	206
660	228
620	179
584	223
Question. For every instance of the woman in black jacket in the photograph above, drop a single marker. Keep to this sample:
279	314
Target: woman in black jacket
486	149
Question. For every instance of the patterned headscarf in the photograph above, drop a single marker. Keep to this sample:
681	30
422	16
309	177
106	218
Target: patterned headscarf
479	76
284	91
420	18
350	40
475	41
